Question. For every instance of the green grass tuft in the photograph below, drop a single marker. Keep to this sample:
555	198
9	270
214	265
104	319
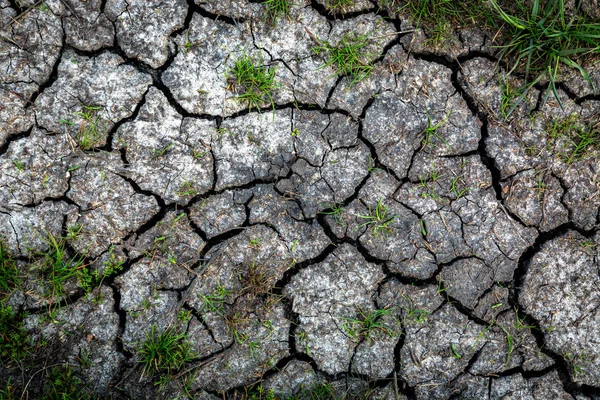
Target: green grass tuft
367	323
338	6
542	39
277	9
438	18
252	81
348	56
9	274
57	266
570	139
13	338
378	219
164	353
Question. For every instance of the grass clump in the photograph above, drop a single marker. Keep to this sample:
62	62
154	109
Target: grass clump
438	18
570	139
378	219
9	274
542	39
64	384
348	56
277	9
367	323
91	129
338	6
164	353
57	266
13	337
252	81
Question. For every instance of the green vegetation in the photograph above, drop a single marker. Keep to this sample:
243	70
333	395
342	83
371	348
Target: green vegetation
411	313
431	132
9	274
252	81
438	18
164	354
336	211
378	219
277	9
367	323
255	278
509	97
215	301
570	139
348	56
542	39
14	340
187	188
575	362
338	6
64	384
91	129
510	342
455	353
57	267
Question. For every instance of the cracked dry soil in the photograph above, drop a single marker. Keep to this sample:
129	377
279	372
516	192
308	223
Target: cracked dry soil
324	242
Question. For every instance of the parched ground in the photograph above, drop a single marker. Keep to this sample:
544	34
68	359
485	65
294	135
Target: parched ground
393	238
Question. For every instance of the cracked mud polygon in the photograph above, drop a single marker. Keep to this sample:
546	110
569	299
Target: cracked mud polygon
396	236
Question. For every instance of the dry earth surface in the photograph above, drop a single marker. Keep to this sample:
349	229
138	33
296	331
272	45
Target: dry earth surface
393	238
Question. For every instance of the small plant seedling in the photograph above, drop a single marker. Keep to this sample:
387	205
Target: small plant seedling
320	391
543	38
14	340
431	132
187	188
162	151
378	219
520	322
184	316
91	128
9	274
58	267
338	6
348	56
74	231
455	353
255	278
367	323
456	190
19	165
412	314
187	45
63	383
215	301
336	211
570	139
510	341
277	9
253	347
509	97
198	154
575	363
252	81
164	353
